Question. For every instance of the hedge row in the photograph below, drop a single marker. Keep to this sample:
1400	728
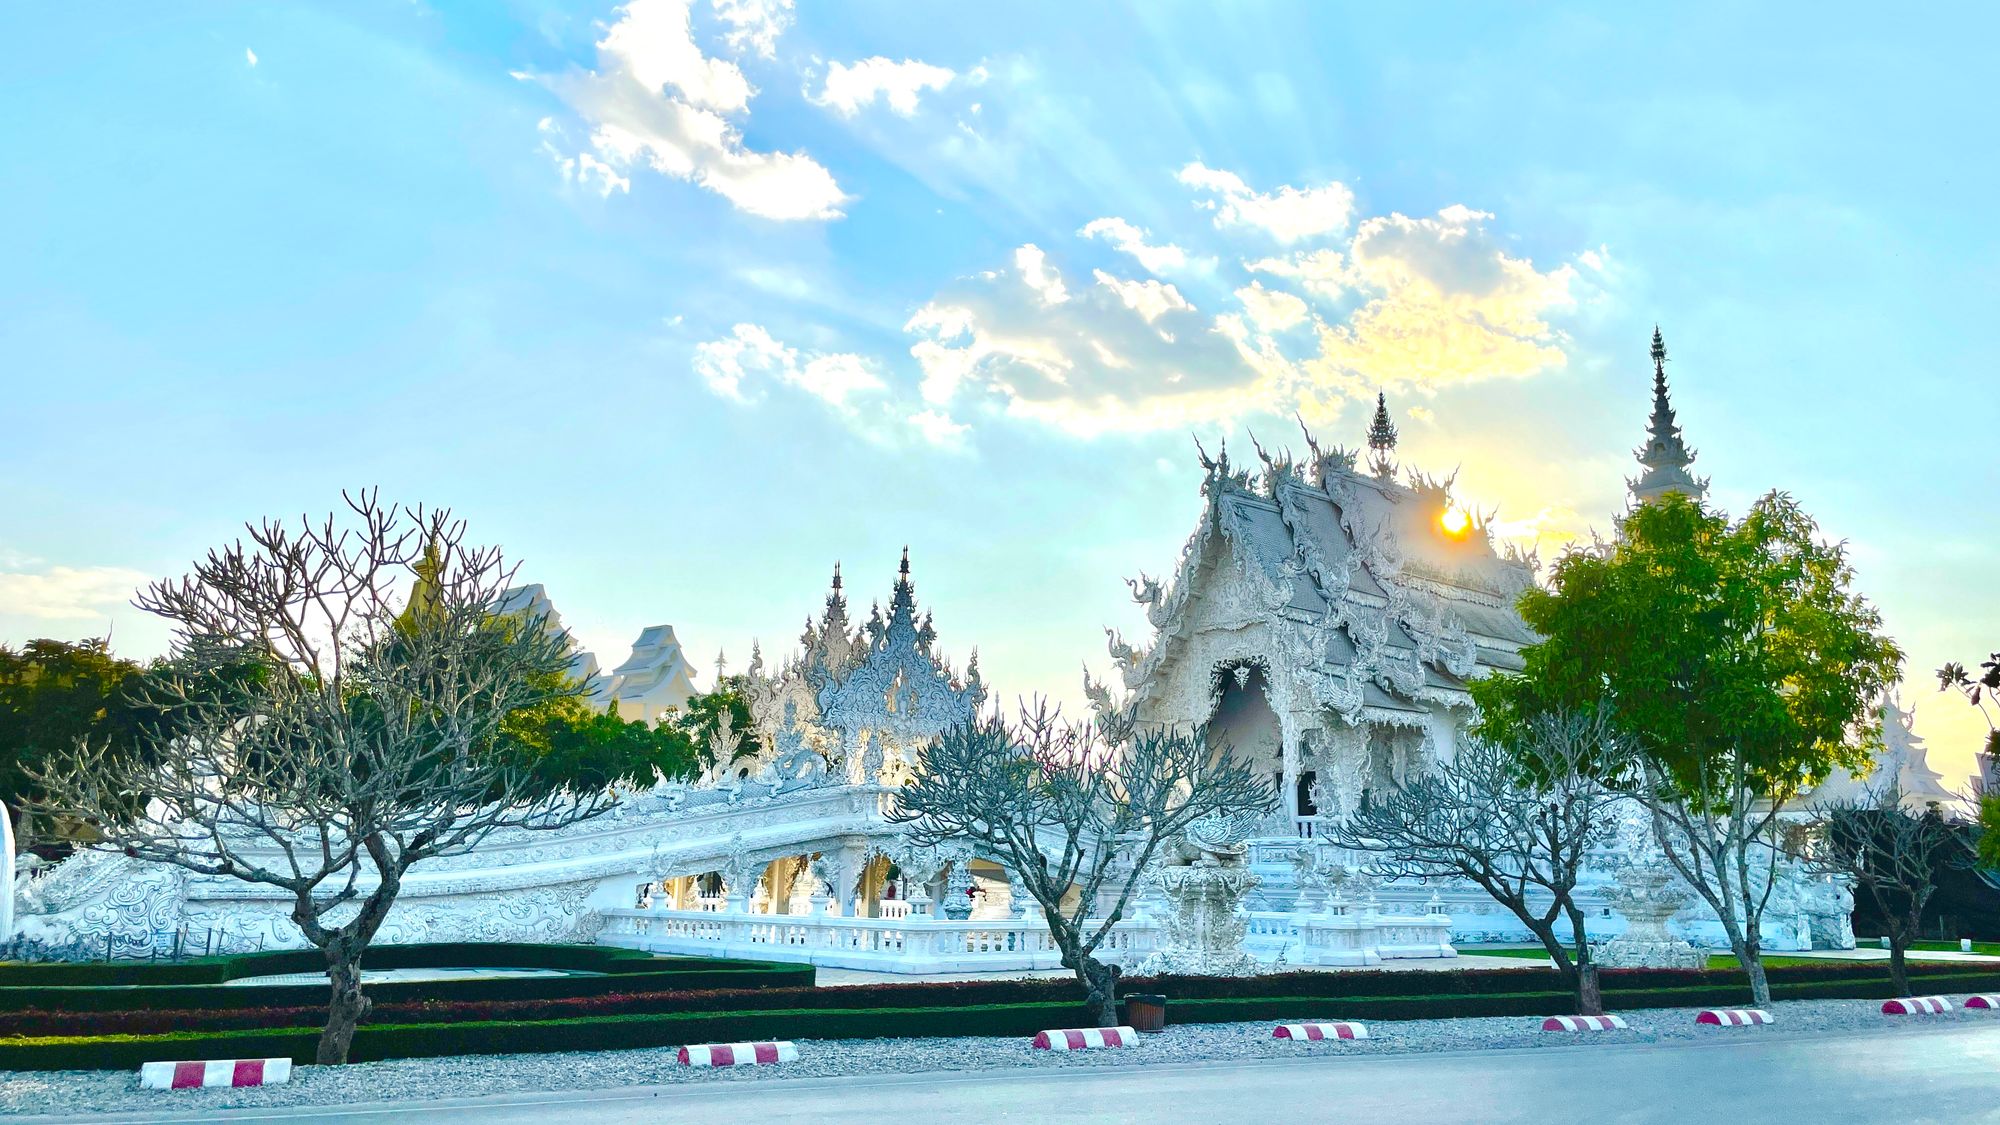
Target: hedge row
670	1028
429	955
132	986
609	1033
693	992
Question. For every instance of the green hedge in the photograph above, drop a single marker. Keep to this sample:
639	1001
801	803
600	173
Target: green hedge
199	984
429	955
608	1033
374	1042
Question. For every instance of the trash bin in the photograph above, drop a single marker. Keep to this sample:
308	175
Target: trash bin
1146	1013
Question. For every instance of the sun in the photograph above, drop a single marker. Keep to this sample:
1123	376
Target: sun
1455	522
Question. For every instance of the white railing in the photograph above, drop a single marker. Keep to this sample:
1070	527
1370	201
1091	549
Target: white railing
919	944
1342	935
1305	826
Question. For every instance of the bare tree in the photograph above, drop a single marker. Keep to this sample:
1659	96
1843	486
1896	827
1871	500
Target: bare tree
1076	815
1516	821
1717	827
1893	856
334	711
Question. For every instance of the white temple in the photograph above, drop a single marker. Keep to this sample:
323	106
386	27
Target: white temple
1902	766
653	680
1324	620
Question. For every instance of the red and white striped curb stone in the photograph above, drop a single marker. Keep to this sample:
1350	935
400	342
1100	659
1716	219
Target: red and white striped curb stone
1084	1038
214	1072
738	1054
1320	1030
1732	1017
1983	1000
1916	1006
1584	1023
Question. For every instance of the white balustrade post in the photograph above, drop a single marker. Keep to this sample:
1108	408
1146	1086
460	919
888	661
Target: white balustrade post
6	875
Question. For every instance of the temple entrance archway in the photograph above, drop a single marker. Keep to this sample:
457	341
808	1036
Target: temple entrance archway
1245	722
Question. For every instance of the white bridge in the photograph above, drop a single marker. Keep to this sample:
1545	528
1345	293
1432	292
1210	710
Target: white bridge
744	869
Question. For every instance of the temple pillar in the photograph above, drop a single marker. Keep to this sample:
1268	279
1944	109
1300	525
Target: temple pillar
1288	733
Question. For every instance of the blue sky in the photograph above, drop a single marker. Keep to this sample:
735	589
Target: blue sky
683	301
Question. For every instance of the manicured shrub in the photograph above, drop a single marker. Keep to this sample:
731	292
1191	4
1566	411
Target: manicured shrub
190	985
843	1013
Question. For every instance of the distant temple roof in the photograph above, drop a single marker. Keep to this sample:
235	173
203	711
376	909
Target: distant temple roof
1902	763
655	676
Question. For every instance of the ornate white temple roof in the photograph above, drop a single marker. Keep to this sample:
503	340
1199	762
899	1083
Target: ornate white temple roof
884	683
1902	762
1397	596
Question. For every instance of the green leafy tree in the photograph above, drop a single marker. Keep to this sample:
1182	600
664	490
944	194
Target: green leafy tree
566	741
54	694
703	721
1739	662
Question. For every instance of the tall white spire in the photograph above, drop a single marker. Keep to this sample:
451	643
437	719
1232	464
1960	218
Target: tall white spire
1665	456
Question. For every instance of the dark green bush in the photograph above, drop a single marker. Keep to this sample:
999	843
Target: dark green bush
609	1033
174	986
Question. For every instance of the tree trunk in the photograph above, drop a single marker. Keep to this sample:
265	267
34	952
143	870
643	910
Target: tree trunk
1589	990
345	1006
1752	957
1573	961
1899	968
343	948
1100	988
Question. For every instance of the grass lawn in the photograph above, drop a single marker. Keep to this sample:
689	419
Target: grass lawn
1989	948
1716	961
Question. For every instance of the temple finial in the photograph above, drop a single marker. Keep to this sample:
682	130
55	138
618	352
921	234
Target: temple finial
836	574
904	569
1665	456
1382	439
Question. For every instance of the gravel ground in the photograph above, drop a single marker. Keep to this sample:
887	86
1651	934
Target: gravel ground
23	1092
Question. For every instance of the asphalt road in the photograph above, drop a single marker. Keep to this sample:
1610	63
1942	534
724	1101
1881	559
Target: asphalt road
1943	1074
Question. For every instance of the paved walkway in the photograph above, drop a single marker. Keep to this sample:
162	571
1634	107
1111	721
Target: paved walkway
1937	1075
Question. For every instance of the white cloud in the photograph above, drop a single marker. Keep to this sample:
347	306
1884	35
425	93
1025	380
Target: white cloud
749	352
1150	299
1128	239
1288	214
1271	310
1038	275
938	429
656	99
63	593
1115	356
250	56
754	25
850	384
1448	304
851	87
1322	272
